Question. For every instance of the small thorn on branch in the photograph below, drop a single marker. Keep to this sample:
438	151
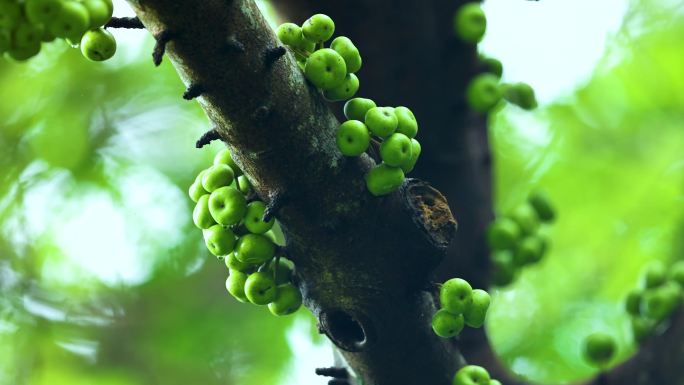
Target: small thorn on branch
162	39
234	45
207	138
335	372
271	55
278	199
193	91
124	22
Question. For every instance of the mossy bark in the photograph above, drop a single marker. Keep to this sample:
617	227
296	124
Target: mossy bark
364	263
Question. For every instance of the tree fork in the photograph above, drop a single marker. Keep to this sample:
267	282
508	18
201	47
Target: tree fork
361	261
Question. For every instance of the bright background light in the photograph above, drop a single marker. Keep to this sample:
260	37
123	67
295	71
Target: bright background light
554	45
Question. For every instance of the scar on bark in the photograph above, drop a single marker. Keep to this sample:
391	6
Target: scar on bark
234	45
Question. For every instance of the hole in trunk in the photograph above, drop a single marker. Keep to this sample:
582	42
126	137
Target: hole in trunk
344	330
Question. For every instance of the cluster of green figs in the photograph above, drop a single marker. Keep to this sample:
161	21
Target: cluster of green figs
332	69
26	25
659	295
460	305
485	91
517	239
474	375
394	127
235	231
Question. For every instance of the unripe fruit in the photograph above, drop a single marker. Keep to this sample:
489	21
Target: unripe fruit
356	109
254	249
415	154
72	21
483	92
677	273
345	90
287	301
470	23
27	35
476	312
641	328
100	12
216	176
233	263
290	34
235	284
318	28
220	240
5	40
522	95
530	250
224	157
196	191
471	375
599	349
201	215
504	267
381	121
406	122
24	53
655	274
493	66
260	288
98	45
503	234
227	206
633	302
542	206
47	36
455	295
10	14
284	267
352	138
396	150
659	303
384	179
344	46
254	218
325	69
526	218
243	184
447	325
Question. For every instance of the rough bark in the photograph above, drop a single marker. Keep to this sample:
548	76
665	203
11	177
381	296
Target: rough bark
412	58
363	263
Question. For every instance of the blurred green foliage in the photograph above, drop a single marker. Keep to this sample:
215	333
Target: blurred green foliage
612	158
105	280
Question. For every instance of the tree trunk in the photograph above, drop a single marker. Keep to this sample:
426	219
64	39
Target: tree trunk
364	264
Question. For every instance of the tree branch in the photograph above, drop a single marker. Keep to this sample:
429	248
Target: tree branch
422	65
361	261
435	69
